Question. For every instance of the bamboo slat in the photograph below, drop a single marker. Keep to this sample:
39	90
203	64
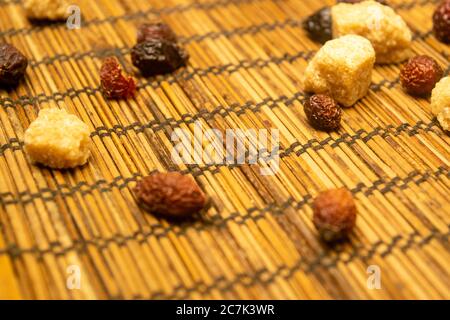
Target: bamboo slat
247	59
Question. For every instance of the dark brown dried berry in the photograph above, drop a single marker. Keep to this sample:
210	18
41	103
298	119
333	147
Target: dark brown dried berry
323	112
155	31
158	57
319	24
420	74
170	194
334	214
13	65
113	83
441	21
358	1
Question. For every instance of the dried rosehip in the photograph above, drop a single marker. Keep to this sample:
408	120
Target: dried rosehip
12	65
334	214
319	25
441	21
158	57
113	83
155	31
323	112
420	74
357	1
170	194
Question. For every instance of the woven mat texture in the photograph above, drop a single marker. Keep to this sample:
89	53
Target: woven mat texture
257	241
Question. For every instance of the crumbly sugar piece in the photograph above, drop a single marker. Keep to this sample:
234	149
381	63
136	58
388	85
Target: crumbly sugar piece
440	96
440	102
386	30
47	9
342	68
444	119
58	140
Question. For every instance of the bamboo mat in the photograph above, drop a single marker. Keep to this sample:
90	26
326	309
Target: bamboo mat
257	241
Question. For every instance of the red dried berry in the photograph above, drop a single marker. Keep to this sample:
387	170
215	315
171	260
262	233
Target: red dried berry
113	83
319	24
441	21
420	74
13	65
323	112
334	214
155	31
170	194
158	57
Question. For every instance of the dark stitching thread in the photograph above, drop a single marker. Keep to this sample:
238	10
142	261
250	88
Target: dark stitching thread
412	4
264	276
8	2
217	221
133	15
184	75
171	10
186	40
287	272
120	182
14	144
23	101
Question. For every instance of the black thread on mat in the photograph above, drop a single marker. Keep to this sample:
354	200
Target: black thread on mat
134	15
186	40
8	2
280	271
253	214
266	277
410	5
184	75
320	261
314	144
171	10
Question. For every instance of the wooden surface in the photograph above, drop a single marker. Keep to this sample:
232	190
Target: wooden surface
257	240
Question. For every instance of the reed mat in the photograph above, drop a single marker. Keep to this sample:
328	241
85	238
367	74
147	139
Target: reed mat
257	241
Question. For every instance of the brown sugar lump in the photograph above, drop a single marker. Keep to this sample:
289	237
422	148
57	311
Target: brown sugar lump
52	10
440	102
58	140
386	30
342	68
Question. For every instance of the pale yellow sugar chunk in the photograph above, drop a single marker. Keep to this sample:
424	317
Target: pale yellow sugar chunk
440	102
47	9
57	139
342	68
440	96
386	30
444	119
